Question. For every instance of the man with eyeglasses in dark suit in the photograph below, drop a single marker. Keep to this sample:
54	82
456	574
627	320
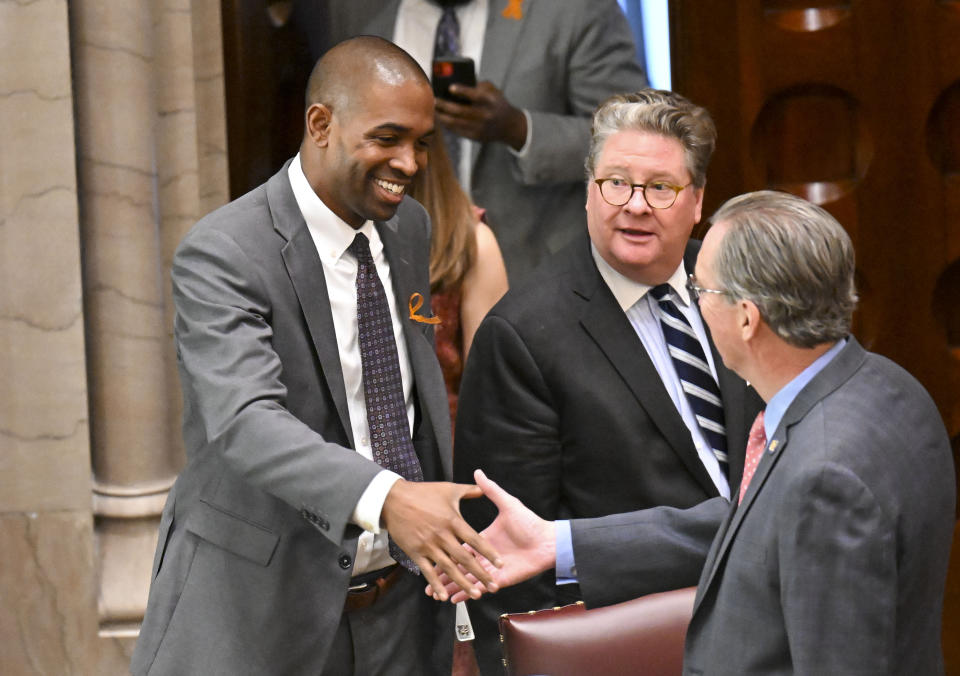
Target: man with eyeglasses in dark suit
594	388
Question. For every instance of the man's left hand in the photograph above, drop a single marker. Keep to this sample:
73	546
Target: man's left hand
487	117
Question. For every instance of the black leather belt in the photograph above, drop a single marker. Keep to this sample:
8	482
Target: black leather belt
365	589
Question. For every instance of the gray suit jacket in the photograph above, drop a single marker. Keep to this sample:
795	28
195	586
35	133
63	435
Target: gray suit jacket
558	62
255	548
835	562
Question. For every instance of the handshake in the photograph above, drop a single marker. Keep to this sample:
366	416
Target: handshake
518	545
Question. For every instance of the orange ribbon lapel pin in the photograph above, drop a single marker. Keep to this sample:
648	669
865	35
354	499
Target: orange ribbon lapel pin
416	302
513	10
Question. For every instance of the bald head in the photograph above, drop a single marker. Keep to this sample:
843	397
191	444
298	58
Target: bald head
349	68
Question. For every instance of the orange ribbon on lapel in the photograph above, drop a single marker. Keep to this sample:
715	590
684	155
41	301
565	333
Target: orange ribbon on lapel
513	10
416	302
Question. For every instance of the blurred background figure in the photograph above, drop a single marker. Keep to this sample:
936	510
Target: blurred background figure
467	273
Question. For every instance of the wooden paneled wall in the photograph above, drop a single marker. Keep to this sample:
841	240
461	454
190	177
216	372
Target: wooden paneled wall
268	52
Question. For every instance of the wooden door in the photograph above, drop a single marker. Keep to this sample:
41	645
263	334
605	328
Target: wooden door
855	106
269	47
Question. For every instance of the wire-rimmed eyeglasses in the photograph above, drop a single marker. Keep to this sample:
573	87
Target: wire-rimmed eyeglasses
697	292
658	194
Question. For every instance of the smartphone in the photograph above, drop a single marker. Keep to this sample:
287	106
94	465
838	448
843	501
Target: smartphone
450	70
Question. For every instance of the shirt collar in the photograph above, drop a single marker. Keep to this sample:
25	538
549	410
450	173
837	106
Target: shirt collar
780	402
628	292
331	234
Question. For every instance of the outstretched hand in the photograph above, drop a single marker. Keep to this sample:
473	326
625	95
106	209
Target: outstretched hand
424	520
526	543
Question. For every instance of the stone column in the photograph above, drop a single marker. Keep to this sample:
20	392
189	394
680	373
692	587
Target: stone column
139	153
112	143
47	571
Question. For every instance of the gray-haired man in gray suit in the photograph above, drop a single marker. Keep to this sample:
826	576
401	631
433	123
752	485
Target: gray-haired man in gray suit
833	557
273	555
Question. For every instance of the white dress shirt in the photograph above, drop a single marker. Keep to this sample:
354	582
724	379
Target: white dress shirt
332	236
642	311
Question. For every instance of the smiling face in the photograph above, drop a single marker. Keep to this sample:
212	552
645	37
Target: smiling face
372	148
643	244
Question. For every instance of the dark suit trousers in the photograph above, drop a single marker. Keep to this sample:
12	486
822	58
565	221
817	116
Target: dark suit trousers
385	639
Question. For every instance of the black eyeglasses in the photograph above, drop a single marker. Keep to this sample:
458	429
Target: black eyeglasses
697	292
658	194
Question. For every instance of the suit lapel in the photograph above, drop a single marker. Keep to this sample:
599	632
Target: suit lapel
306	272
606	323
402	275
830	378
418	336
500	41
774	451
708	566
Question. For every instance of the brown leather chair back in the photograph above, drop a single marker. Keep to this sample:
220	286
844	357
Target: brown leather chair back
642	636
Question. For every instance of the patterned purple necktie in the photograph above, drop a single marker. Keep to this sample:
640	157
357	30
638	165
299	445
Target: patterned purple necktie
447	39
382	385
446	42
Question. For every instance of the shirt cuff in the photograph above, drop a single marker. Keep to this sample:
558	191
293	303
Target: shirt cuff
526	144
367	512
566	566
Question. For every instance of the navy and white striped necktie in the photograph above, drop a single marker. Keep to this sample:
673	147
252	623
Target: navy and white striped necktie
693	370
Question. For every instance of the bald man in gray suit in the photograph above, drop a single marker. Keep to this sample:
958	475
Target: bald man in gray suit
274	555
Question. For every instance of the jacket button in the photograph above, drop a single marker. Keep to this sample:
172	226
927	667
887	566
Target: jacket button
345	561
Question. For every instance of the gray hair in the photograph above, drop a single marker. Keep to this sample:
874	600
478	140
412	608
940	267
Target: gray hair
657	112
793	260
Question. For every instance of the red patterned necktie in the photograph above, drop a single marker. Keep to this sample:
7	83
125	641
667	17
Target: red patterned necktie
382	386
756	442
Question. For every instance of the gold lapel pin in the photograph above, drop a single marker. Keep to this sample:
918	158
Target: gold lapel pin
513	10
